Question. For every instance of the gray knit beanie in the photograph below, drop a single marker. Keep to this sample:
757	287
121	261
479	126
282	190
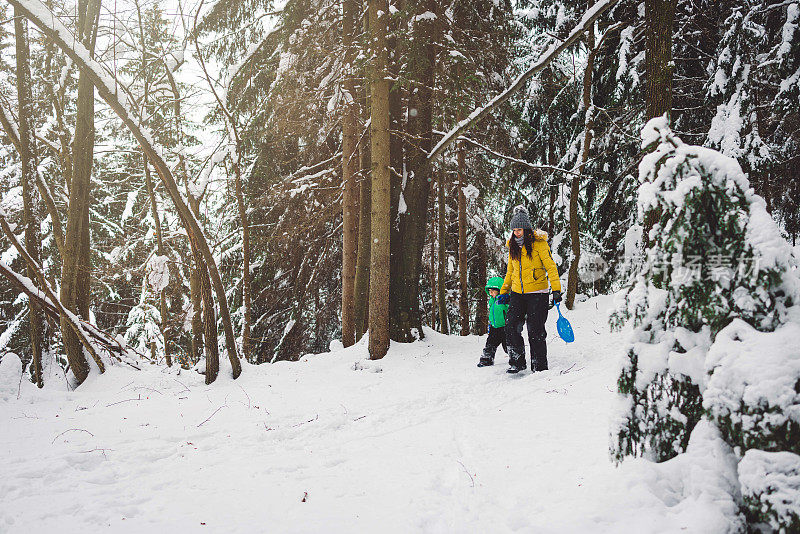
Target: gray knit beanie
520	219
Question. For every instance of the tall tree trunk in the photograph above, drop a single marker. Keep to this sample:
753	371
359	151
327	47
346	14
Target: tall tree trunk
660	17
409	239
379	133
443	321
361	284
76	260
205	302
551	222
28	179
246	286
363	250
481	313
462	246
574	221
350	166
432	241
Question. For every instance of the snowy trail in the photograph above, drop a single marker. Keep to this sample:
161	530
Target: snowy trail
422	441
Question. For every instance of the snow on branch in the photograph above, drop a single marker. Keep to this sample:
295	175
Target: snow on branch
511	159
549	55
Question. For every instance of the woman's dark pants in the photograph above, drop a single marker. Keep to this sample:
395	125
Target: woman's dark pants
531	308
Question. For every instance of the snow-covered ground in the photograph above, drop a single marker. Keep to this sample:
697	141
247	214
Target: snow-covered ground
421	441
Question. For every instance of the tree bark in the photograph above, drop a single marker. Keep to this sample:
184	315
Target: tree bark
433	270
361	284
462	246
75	268
574	221
246	286
481	313
28	179
350	167
409	238
659	16
379	133
443	320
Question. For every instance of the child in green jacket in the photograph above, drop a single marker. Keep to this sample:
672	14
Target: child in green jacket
497	322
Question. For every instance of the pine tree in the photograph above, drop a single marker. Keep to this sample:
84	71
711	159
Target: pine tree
715	256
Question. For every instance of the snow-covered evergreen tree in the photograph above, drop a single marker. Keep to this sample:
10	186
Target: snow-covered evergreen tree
713	305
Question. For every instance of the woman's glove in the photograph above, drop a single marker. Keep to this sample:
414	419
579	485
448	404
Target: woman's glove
556	298
502	299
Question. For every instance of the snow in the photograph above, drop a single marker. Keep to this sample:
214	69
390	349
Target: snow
158	272
421	441
698	488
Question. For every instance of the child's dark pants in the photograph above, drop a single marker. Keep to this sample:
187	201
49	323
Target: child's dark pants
497	337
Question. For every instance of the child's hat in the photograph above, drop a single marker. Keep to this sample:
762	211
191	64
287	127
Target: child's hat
495	282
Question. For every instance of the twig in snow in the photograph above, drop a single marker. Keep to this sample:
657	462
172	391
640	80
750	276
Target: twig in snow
468	473
249	403
567	370
210	416
304	422
184	386
126	400
71	430
101	450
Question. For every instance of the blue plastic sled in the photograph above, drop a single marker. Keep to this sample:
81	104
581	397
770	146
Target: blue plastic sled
564	328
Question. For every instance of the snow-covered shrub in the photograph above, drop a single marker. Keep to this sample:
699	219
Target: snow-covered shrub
771	489
753	389
714	254
143	328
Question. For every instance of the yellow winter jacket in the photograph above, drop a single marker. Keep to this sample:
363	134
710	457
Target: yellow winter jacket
532	272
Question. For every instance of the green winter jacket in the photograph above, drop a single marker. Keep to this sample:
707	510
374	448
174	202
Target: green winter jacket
497	312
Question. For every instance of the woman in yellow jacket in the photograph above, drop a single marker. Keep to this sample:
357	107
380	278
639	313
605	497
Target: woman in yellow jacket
530	266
